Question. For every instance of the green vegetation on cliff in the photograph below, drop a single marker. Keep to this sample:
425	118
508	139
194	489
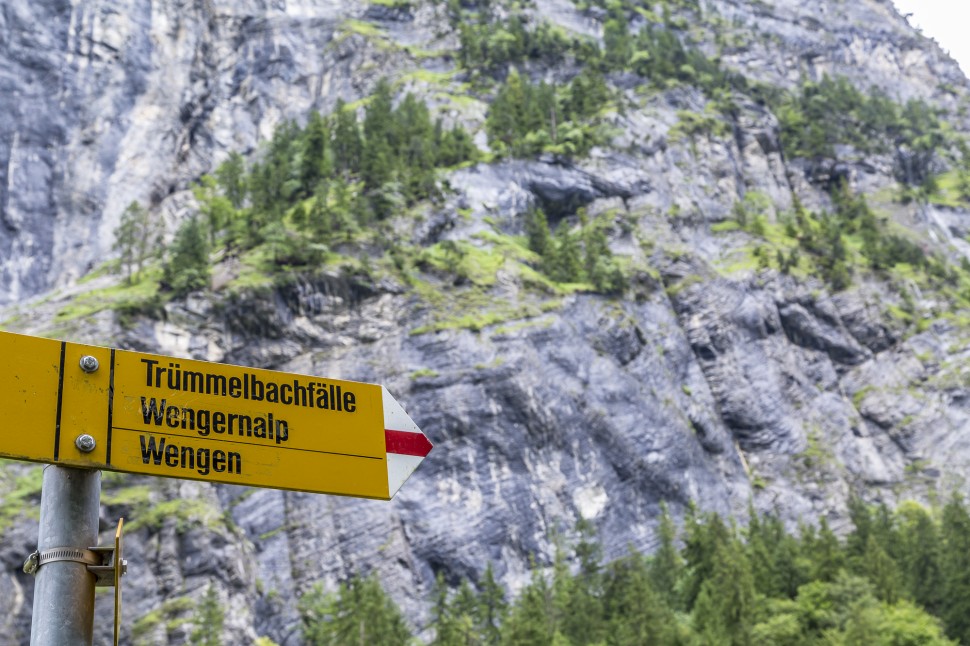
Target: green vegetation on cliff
325	194
897	578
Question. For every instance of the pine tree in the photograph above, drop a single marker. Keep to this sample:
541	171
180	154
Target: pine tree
301	217
881	570
862	625
537	231
446	624
346	139
635	611
317	219
561	593
791	569
858	539
456	146
208	620
531	621
617	43
187	268
216	209
955	559
587	94
279	242
885	531
758	548
464	609
470	52
963	171
563	262
273	182
416	148
708	621
380	139
667	566
825	553
774	557
359	614
598	261
922	572
262	201
126	237
231	176
491	608
314	161
343	210
701	544
542	115
825	608
725	608
581	618
137	239
505	122
595	243
455	617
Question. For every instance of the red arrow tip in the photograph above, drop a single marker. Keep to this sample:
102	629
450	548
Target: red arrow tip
403	443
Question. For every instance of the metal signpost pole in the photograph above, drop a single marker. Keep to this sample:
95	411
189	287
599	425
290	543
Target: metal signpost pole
64	588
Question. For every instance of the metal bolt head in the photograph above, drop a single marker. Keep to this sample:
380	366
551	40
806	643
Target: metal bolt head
85	443
30	565
89	363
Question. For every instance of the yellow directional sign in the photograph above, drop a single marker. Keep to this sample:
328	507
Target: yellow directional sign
94	407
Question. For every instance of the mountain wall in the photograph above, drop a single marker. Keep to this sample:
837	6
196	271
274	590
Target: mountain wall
109	102
710	380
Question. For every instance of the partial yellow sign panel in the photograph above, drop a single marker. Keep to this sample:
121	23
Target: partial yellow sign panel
29	384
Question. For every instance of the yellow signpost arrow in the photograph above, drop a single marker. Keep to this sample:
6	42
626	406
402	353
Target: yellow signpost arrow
100	408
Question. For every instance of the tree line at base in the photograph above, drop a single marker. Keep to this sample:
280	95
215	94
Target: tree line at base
898	578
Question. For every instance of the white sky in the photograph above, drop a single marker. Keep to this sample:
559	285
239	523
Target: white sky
946	21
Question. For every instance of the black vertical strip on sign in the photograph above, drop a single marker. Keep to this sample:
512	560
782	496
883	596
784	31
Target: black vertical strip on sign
111	404
60	399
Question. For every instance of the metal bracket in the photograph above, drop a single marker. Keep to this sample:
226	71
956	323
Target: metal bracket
104	568
110	566
118	567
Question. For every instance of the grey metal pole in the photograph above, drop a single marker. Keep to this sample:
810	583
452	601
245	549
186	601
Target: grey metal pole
64	590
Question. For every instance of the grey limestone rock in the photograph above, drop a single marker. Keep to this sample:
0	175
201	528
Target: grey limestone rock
705	382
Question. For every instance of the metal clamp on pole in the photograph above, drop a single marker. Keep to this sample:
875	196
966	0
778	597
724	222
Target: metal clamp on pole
101	561
104	562
38	559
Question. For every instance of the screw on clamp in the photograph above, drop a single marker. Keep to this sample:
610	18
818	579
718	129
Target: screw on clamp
32	562
89	363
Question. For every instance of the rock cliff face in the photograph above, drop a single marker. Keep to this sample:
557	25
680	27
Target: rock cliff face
109	102
706	382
